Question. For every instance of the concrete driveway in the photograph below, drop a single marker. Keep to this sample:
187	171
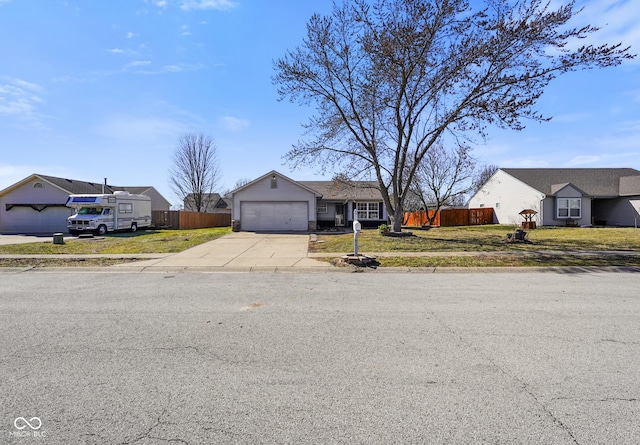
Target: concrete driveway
24	239
242	251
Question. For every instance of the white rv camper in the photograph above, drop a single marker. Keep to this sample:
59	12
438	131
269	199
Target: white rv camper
105	213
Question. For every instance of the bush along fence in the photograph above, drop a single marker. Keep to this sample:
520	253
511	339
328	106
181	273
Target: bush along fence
179	219
450	217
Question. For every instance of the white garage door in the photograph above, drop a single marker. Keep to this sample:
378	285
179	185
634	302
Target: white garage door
27	220
274	216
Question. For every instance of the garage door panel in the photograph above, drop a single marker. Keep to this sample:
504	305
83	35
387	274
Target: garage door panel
274	216
27	220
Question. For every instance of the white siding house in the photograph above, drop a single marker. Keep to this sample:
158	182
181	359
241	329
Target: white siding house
508	196
563	196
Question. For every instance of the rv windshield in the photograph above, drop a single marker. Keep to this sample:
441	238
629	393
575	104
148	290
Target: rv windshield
90	211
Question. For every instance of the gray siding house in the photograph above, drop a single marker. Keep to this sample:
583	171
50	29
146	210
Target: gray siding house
563	196
274	202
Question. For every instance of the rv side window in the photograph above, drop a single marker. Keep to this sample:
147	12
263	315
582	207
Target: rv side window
125	207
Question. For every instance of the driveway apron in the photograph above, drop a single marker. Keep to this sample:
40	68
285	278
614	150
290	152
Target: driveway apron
243	251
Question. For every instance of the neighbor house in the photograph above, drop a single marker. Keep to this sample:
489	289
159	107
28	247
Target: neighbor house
37	203
563	196
274	202
213	203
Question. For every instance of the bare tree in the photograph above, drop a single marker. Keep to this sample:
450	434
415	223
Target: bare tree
391	79
239	183
443	178
196	171
483	176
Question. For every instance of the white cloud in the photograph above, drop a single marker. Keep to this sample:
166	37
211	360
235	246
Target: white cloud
583	160
132	131
139	63
115	51
233	124
17	99
571	117
617	20
523	163
159	3
131	35
223	5
172	68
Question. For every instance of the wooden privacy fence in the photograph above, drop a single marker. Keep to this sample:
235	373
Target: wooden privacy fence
179	219
451	217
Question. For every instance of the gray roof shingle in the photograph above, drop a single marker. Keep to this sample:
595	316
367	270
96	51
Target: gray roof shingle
76	187
342	191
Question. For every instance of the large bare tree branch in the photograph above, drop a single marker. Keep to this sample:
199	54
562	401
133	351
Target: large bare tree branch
391	79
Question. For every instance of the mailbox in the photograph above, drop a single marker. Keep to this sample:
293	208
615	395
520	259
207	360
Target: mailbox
357	227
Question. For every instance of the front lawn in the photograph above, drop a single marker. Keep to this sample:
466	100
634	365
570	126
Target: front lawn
489	238
149	241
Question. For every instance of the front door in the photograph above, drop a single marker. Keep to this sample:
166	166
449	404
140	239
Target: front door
340	215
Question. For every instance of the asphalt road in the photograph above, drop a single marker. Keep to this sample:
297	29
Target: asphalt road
507	358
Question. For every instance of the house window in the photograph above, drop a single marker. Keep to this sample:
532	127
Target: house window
38	185
367	210
569	207
322	207
274	182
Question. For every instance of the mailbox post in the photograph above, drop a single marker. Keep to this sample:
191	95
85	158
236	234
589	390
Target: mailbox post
356	230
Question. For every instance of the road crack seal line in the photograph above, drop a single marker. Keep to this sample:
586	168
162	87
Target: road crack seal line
158	422
502	370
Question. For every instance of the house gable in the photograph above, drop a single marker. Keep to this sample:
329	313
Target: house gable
274	202
566	190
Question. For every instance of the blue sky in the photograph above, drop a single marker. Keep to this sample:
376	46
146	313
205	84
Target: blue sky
95	89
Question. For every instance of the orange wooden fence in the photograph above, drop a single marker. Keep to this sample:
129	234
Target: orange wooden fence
179	219
451	217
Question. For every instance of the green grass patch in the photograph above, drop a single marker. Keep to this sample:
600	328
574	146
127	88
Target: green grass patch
489	238
506	260
149	241
63	262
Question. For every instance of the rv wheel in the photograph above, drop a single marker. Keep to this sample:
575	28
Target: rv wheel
134	227
102	230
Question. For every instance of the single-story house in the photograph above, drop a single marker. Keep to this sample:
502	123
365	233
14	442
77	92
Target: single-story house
274	202
214	203
563	196
37	203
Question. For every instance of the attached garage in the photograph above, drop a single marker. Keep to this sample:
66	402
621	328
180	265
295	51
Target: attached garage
274	216
274	203
34	205
35	219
